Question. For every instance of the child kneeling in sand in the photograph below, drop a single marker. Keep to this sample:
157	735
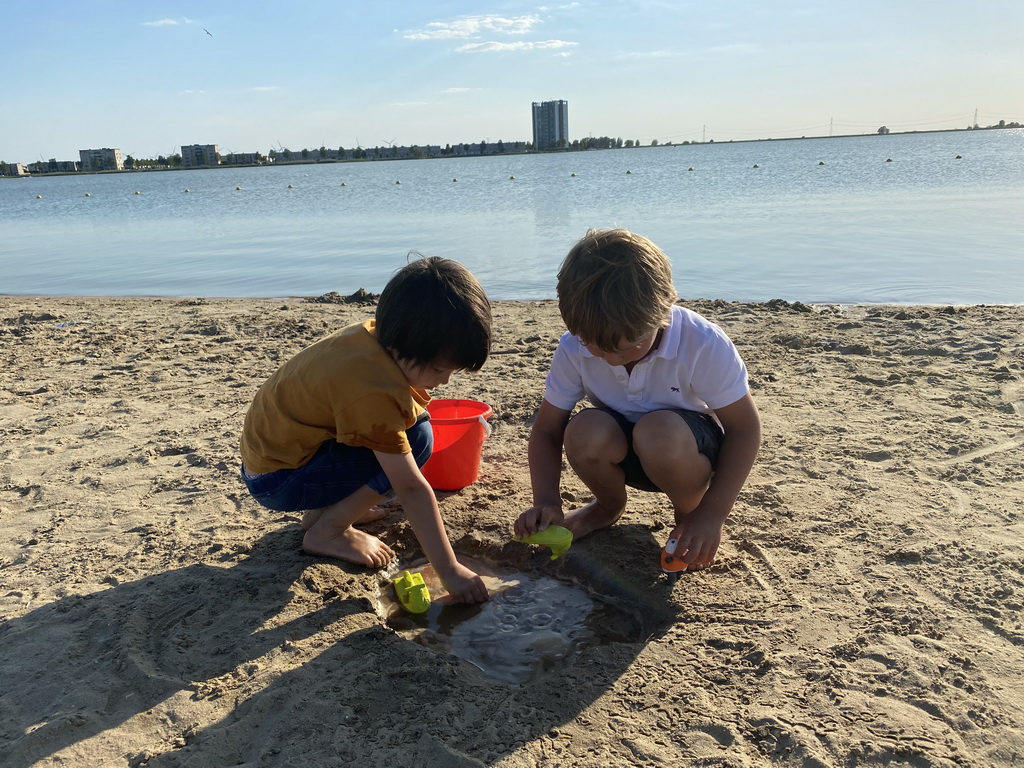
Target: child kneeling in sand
672	410
343	423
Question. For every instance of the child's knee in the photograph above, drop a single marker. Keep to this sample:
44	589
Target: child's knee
663	434
593	434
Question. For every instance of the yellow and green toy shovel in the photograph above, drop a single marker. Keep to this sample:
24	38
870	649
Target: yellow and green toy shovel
557	538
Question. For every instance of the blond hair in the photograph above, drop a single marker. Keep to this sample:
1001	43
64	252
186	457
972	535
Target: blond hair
614	286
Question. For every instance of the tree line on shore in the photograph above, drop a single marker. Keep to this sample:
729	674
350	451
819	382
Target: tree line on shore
324	154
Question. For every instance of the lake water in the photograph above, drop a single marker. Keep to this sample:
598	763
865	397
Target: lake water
924	228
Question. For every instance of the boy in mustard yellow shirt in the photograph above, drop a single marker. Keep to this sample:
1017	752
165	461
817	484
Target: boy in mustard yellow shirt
343	423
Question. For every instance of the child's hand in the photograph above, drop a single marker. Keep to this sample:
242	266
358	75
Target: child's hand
699	536
464	586
537	518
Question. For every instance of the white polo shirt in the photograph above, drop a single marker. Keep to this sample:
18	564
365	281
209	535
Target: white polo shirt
696	367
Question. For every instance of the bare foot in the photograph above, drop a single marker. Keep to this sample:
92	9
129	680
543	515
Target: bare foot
310	516
349	544
586	520
372	515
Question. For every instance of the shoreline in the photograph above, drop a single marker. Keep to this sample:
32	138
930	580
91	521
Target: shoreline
865	606
686	143
320	299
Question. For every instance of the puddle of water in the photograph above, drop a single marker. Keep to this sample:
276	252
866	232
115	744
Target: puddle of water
533	624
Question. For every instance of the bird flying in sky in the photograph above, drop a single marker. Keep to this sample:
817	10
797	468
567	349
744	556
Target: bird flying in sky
207	31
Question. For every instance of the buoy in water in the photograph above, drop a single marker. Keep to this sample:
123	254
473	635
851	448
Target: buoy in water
344	184
88	195
398	182
821	162
454	180
511	178
188	190
238	189
959	157
572	174
39	197
889	160
689	169
756	165
628	173
137	192
290	187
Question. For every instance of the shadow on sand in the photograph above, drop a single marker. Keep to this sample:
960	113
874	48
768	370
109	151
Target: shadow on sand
90	663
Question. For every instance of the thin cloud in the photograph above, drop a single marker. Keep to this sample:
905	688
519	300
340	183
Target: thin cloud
168	22
740	48
264	88
732	49
459	90
649	54
493	47
473	26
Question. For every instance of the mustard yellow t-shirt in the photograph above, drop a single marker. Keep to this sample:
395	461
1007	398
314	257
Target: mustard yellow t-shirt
344	387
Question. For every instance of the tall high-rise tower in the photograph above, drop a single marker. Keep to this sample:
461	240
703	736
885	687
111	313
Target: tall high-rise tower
550	124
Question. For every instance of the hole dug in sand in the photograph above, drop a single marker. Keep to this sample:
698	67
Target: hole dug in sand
535	623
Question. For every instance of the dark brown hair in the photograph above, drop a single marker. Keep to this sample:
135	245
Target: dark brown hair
433	311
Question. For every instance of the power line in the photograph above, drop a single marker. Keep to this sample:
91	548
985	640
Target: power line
931	121
831	125
768	131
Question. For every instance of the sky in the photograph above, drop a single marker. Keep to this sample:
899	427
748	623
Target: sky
147	77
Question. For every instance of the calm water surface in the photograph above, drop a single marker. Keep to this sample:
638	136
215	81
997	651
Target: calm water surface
924	228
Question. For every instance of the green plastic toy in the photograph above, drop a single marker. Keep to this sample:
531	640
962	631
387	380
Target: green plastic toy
412	592
554	536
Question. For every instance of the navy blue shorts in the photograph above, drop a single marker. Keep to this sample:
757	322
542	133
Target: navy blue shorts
703	425
335	471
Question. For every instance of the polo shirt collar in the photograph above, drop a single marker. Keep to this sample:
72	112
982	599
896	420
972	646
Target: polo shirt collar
669	337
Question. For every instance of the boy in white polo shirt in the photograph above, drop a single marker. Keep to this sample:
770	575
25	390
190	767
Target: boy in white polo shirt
671	408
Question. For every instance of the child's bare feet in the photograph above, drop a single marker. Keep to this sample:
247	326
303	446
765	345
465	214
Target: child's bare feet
330	531
310	516
349	544
586	520
372	515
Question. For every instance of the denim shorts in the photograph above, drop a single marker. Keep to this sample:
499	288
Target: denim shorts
703	425
335	471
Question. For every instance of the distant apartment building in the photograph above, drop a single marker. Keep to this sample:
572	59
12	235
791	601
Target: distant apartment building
550	124
488	148
240	158
100	159
54	166
12	169
200	155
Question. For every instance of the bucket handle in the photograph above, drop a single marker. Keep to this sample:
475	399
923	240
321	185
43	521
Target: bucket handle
487	427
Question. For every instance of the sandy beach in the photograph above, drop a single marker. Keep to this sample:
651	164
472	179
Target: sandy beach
866	607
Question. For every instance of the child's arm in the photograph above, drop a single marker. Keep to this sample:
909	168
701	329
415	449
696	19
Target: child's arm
545	453
420	507
700	532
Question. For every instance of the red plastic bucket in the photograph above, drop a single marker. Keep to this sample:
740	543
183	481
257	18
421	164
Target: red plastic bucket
460	428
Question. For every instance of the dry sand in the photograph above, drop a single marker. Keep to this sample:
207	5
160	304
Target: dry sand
866	608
